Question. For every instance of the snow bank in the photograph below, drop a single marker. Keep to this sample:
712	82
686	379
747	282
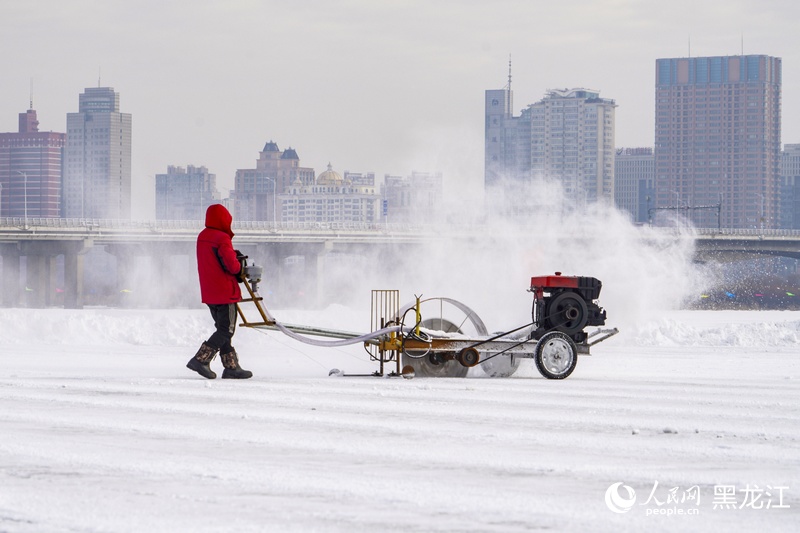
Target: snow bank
101	327
185	328
710	328
137	327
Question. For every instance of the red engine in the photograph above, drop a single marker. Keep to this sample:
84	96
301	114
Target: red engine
566	304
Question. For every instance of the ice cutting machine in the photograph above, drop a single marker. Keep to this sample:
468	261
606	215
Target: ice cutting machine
441	337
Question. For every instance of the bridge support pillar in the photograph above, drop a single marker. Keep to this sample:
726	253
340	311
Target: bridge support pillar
51	267
73	281
268	257
40	271
11	255
37	280
73	273
320	273
314	260
126	260
310	281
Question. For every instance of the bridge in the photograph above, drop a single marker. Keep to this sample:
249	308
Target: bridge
726	245
49	254
37	253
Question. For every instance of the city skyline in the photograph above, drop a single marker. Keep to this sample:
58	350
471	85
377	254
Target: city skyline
370	88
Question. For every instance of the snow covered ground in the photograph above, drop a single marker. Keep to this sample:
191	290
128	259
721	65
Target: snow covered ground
102	428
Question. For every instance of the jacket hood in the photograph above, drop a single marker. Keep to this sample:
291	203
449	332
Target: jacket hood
218	217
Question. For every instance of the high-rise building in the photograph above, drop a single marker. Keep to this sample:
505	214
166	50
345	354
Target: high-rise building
97	167
790	187
30	170
185	193
634	174
567	136
417	198
500	132
256	190
572	140
718	139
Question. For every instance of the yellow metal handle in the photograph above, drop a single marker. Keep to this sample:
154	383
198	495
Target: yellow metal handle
419	317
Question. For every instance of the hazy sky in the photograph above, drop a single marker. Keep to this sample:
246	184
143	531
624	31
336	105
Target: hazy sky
382	85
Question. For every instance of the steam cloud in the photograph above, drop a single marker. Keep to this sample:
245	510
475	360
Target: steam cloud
483	257
487	261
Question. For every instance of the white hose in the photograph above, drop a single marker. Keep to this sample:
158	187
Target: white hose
341	342
332	344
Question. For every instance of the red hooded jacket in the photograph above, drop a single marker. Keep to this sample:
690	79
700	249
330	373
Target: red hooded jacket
216	259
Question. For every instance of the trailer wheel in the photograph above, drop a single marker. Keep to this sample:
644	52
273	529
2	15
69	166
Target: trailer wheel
556	355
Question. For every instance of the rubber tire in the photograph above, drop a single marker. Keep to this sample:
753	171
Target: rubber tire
553	345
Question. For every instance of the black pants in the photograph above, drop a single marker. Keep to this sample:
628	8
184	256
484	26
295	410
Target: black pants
225	321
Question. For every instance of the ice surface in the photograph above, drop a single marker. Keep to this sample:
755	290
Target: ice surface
102	428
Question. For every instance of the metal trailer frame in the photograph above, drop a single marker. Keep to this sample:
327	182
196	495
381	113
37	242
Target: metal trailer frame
400	350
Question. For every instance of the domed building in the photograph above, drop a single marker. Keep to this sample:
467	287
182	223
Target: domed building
330	178
331	199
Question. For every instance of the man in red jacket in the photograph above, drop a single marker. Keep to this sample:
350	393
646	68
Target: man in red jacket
219	266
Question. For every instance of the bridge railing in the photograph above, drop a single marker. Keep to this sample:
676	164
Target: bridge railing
156	225
328	226
747	232
96	224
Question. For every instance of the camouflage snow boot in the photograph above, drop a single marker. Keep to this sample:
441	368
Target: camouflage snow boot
200	362
232	369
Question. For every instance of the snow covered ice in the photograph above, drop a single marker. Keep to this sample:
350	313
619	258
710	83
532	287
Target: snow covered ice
104	429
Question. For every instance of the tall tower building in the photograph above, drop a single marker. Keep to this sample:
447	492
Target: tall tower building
185	193
790	187
500	131
572	140
634	177
567	136
97	168
718	139
30	170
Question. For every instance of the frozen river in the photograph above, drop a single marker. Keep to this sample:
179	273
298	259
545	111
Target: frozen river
689	422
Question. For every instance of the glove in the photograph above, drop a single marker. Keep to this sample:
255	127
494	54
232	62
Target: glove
242	263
